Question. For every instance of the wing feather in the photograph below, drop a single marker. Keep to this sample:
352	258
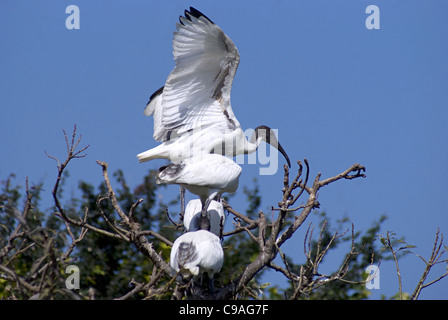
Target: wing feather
197	91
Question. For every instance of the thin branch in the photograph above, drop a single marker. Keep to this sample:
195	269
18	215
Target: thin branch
136	236
175	224
157	236
236	213
133	207
346	175
124	234
112	196
270	247
434	259
21	282
75	240
139	287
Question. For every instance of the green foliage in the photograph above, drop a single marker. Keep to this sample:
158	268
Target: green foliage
107	265
36	247
35	254
9	199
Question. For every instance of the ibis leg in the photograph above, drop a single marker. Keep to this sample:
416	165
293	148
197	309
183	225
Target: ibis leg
182	204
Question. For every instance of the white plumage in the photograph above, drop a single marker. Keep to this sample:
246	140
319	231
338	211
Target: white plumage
195	123
207	176
195	253
197	91
215	213
192	111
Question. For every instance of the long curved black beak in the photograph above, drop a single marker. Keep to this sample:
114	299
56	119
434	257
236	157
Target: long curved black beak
269	136
283	152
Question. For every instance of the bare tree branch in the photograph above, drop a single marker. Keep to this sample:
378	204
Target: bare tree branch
136	236
435	258
298	199
269	247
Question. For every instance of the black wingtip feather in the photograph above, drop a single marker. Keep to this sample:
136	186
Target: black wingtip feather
155	94
187	15
197	14
180	20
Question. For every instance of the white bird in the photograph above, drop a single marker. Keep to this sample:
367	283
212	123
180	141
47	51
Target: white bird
192	111
215	213
197	252
207	176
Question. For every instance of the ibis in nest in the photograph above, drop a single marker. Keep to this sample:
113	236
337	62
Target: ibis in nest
197	252
215	212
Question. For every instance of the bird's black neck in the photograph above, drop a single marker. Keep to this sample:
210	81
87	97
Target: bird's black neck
204	222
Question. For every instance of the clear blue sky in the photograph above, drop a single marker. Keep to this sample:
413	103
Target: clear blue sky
337	92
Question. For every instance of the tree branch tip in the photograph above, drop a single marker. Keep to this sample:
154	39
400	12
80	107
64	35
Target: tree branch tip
359	167
50	156
102	163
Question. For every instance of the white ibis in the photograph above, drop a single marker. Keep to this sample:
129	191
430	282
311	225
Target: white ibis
207	175
192	111
197	252
215	213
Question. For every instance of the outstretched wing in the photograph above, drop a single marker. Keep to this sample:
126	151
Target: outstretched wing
197	91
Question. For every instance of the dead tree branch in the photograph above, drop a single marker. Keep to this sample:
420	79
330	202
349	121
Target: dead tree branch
270	245
436	258
269	232
135	233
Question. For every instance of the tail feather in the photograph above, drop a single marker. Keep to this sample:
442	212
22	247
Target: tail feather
158	152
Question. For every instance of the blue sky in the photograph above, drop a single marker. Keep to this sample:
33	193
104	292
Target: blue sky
337	92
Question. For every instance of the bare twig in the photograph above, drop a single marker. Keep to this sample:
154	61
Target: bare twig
136	236
269	235
389	243
175	224
434	259
270	247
